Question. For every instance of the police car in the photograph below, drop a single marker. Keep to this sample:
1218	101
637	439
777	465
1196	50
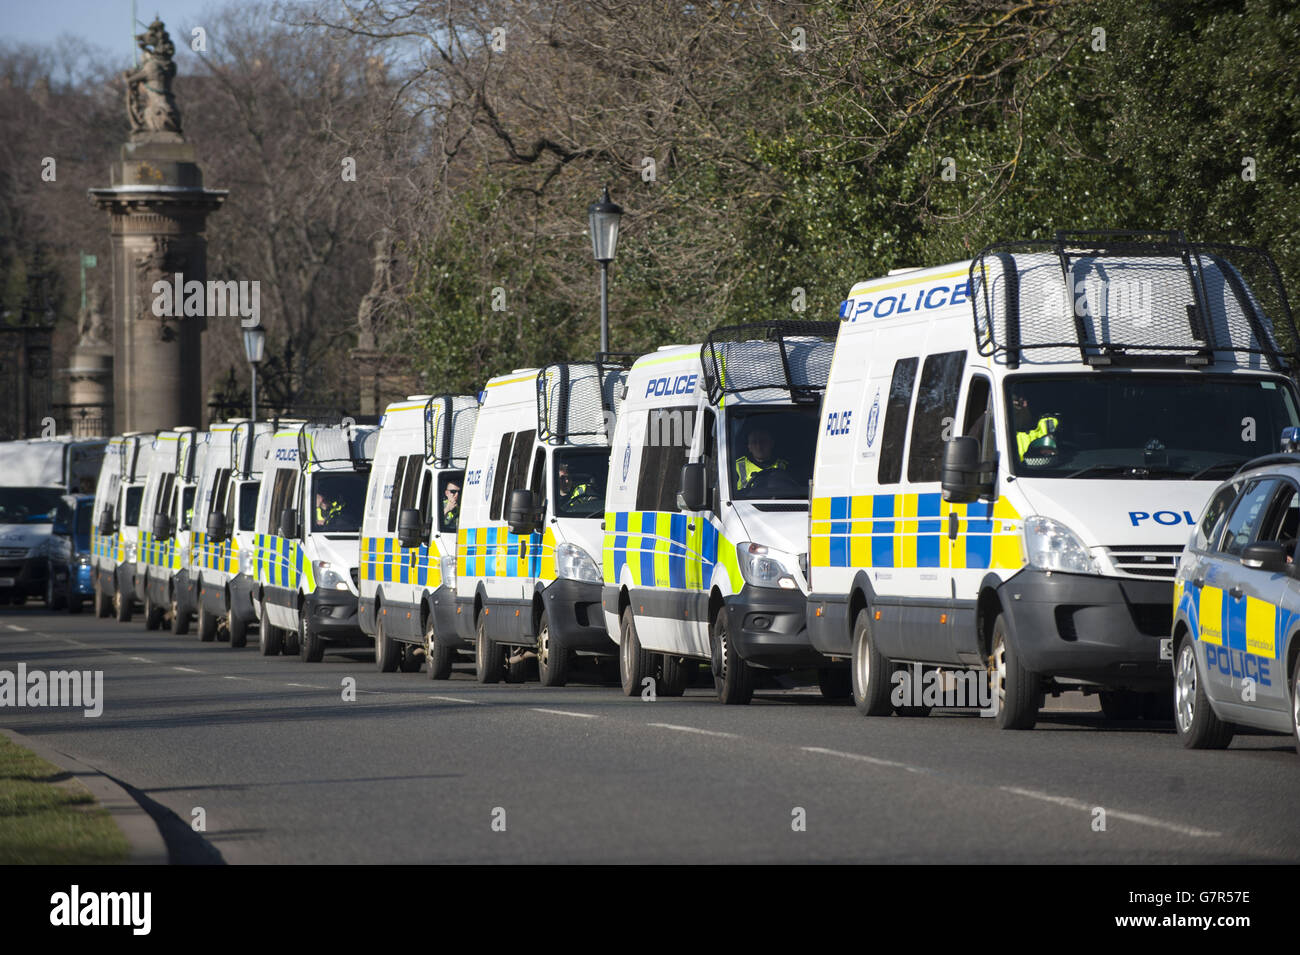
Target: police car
1237	607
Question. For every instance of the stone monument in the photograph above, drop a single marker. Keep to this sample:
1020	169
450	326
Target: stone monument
157	206
90	373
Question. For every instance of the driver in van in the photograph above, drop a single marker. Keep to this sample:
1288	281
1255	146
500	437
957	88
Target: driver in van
758	457
1034	433
327	512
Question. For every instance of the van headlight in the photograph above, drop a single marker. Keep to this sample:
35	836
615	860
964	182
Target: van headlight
1050	545
448	567
573	562
763	567
327	578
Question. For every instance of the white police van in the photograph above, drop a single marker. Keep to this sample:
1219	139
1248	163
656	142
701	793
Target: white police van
118	497
526	571
304	550
225	513
706	523
408	533
1013	451
162	567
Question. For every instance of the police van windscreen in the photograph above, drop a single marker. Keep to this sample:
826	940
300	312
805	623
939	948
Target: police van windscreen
771	452
1116	426
337	502
580	477
28	505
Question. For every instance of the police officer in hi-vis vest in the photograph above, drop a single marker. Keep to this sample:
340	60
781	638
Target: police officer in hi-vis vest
1035	439
758	457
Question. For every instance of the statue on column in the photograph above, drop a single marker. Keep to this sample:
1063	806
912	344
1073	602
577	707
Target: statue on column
149	101
92	327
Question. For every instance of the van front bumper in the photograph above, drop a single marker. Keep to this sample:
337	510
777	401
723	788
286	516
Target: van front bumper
1101	630
26	576
573	607
332	615
769	628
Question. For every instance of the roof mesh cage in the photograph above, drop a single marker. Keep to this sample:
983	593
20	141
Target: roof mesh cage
578	401
321	446
768	361
1106	298
449	429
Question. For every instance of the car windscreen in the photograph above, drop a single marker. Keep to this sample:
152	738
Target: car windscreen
770	452
337	501
28	505
1121	425
580	476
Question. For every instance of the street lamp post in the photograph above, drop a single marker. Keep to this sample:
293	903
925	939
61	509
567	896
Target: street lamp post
603	217
254	348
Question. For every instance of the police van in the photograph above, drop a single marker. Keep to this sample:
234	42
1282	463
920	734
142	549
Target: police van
1012	454
162	566
118	496
225	513
706	521
304	551
529	534
408	533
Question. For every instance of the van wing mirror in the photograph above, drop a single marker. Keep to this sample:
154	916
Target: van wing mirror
1268	556
964	475
106	521
289	523
217	526
521	512
162	527
410	529
694	492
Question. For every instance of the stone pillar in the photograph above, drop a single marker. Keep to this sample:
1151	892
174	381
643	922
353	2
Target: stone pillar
157	206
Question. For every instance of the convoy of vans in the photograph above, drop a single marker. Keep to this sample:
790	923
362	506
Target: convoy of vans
984	474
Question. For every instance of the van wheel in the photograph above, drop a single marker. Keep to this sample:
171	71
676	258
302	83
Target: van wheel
270	639
1120	704
1199	727
311	648
438	655
53	600
387	653
733	678
180	619
207	624
552	656
410	659
103	603
122	606
870	671
836	683
634	664
489	657
153	614
673	675
238	627
1019	691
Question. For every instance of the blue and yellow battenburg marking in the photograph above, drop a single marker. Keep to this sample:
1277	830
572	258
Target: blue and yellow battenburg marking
384	560
662	549
215	555
280	562
163	554
496	552
1245	623
911	530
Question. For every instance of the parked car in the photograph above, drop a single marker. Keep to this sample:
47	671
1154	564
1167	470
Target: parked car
68	583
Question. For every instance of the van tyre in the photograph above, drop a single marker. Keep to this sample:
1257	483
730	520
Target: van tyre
552	655
869	671
270	638
311	648
489	657
103	603
1019	691
53	599
180	619
153	614
122	606
634	664
1194	719
673	675
388	654
206	624
836	683
438	655
733	678
238	630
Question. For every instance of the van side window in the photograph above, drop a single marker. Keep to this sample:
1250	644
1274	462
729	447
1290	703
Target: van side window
900	402
663	453
519	461
978	421
426	516
395	494
499	481
449	485
537	480
247	505
411	481
1207	531
281	497
936	412
220	487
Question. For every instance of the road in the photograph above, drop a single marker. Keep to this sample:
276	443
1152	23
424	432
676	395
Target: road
413	771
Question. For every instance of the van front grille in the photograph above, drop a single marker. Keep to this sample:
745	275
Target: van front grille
1145	560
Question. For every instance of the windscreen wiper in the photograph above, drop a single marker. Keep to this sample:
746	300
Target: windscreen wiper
1125	469
1233	463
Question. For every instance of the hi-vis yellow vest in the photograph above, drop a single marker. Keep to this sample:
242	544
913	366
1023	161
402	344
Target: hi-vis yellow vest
746	470
1025	438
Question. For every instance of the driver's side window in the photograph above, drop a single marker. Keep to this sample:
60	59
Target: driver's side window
1249	512
1282	524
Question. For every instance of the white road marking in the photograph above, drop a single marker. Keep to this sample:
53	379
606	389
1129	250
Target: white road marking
1112	813
692	729
187	669
873	760
142	660
585	716
244	678
456	699
14	626
308	686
